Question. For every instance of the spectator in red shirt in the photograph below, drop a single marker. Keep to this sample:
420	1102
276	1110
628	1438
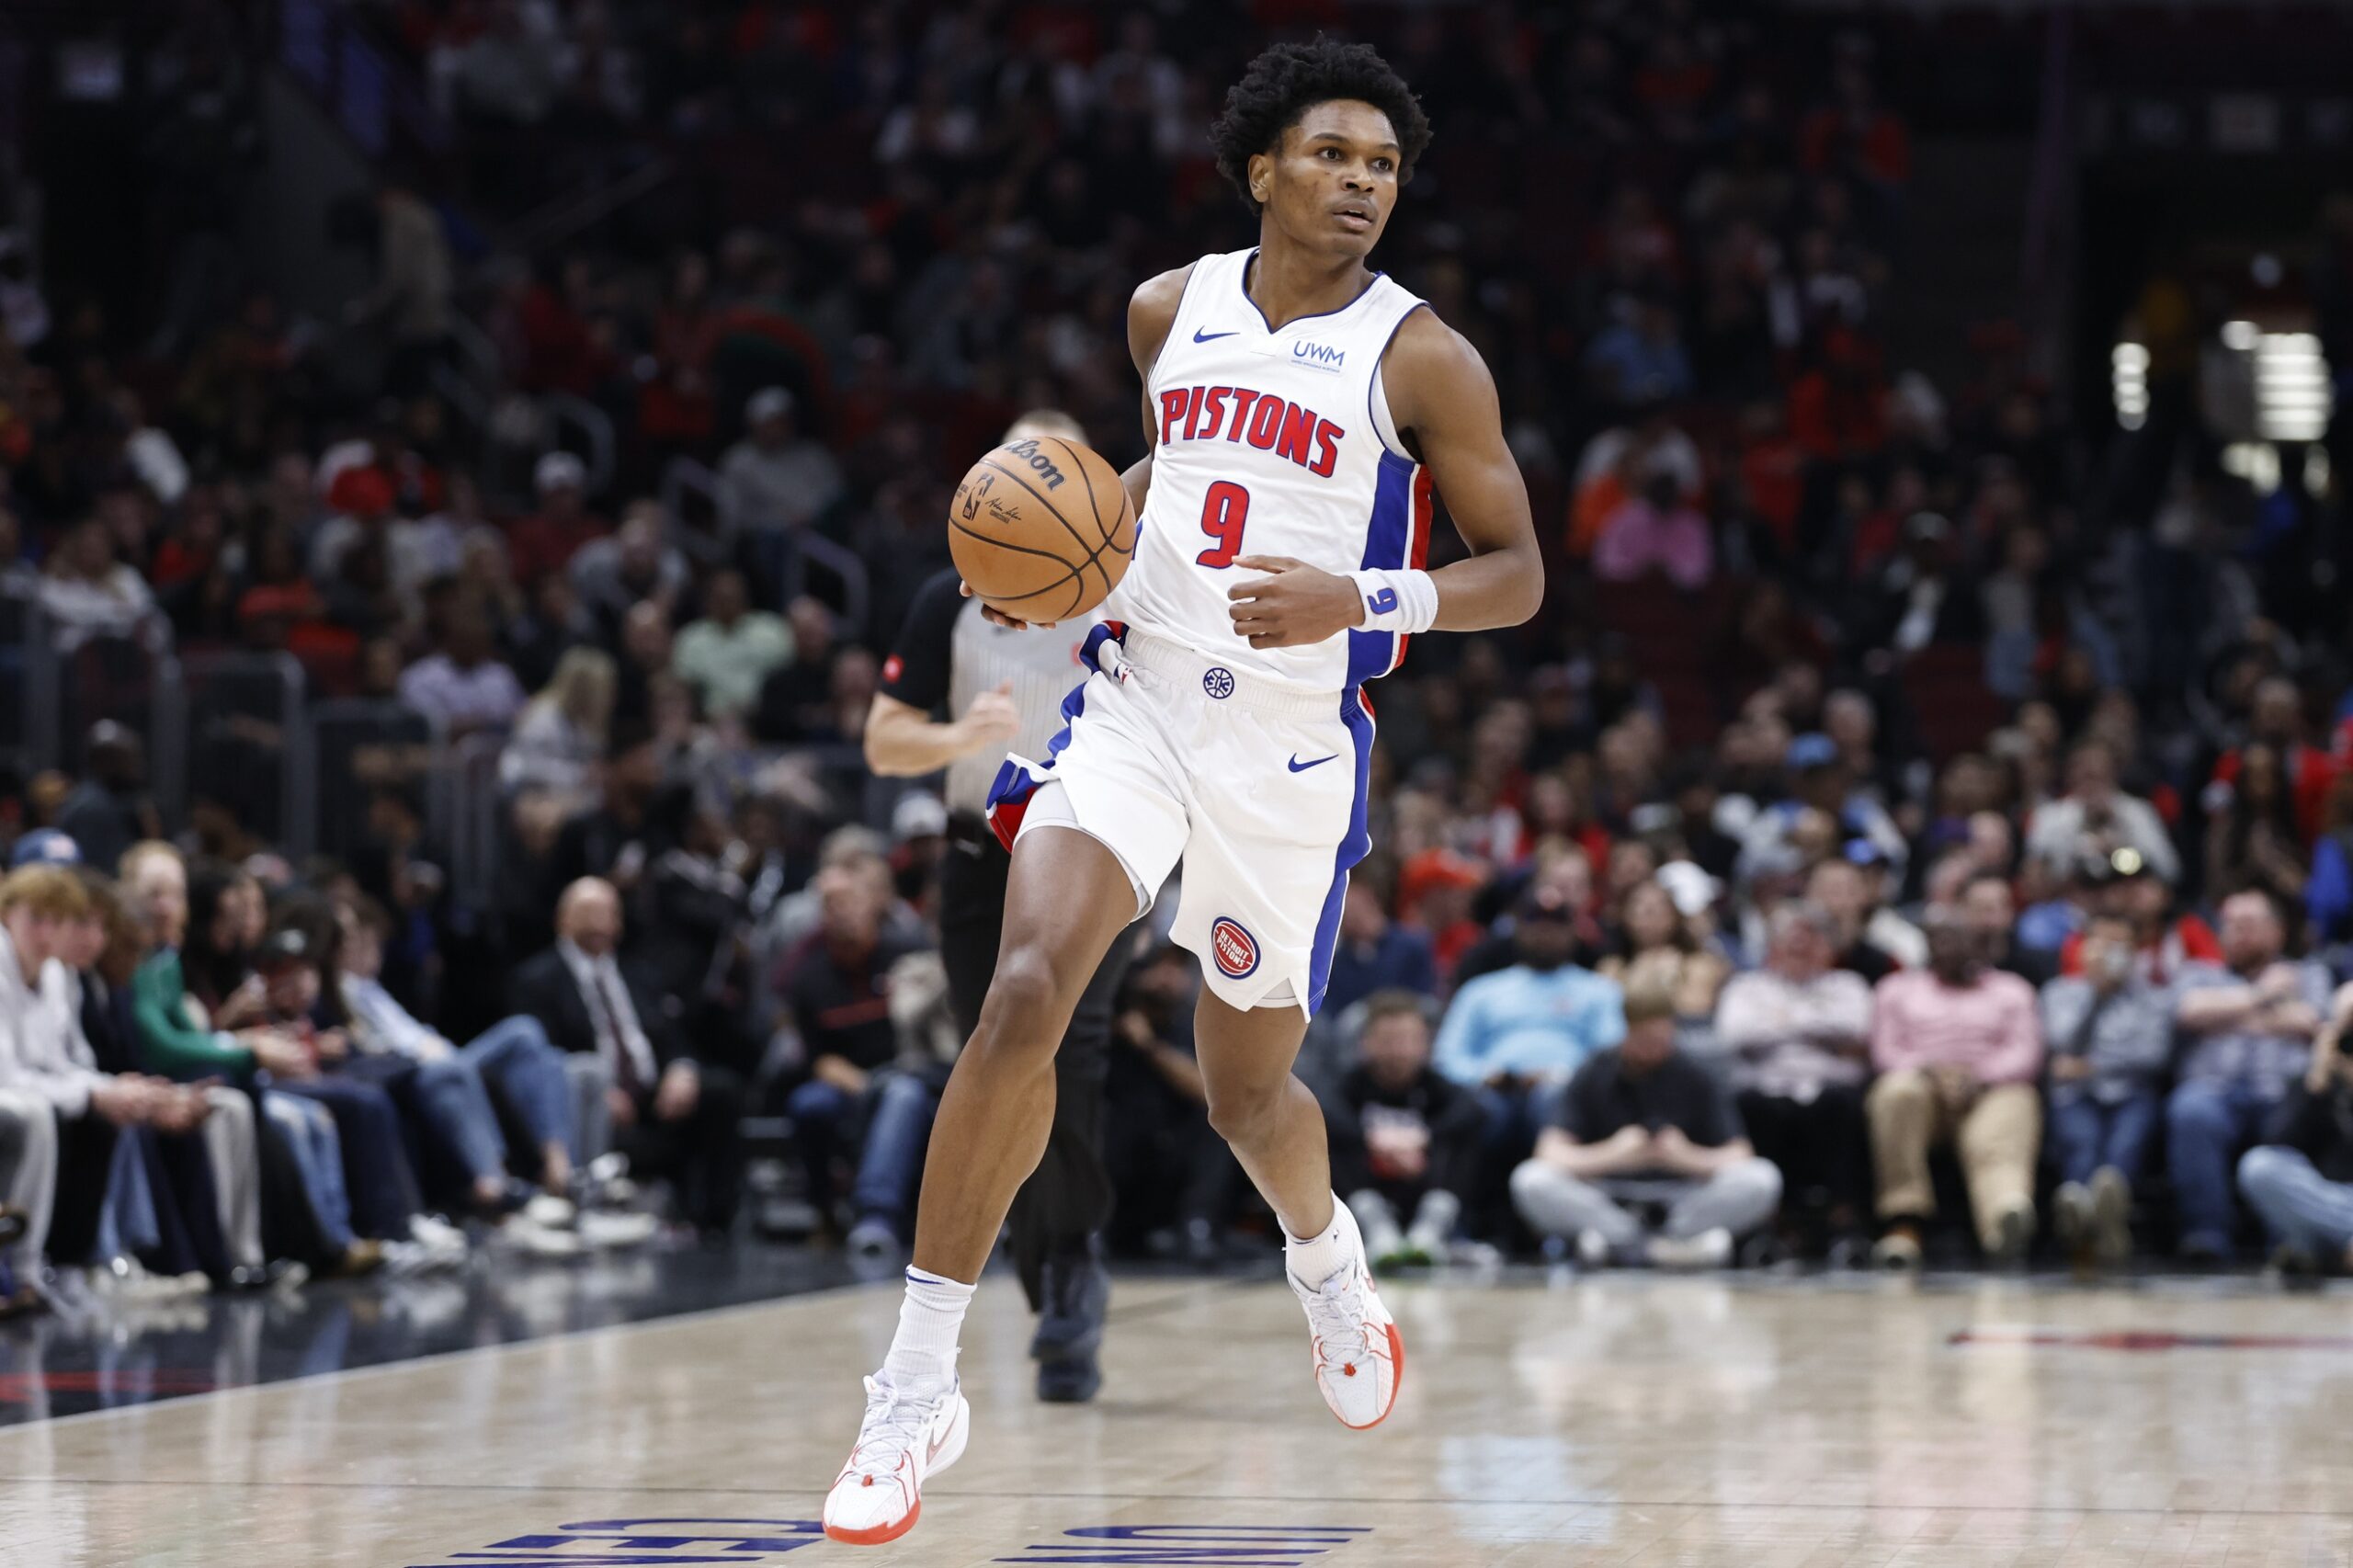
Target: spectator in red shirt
544	543
2124	885
2277	720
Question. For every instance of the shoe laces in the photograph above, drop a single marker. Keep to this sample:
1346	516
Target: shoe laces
895	1419
1335	1313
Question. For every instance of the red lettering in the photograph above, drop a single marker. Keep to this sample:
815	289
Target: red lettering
1172	408
1328	448
1299	434
1213	406
1267	421
1193	413
1242	398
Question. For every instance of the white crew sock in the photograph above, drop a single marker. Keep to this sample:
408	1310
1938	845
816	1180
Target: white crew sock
1316	1258
923	1350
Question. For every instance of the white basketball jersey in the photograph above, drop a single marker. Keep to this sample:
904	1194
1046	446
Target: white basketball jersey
1272	441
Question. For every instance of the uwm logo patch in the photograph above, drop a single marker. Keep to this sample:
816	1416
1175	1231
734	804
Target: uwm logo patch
1320	356
1236	951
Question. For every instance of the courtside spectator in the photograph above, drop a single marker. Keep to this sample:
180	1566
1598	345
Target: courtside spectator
2247	1026
2299	1180
860	1107
451	1081
647	1096
2108	1035
1797	1034
1958	1047
1516	1036
1643	1127
1405	1139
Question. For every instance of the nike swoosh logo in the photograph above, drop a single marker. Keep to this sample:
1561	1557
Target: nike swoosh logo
937	1444
1299	766
1200	336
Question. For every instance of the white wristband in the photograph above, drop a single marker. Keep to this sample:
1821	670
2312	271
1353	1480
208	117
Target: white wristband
1402	601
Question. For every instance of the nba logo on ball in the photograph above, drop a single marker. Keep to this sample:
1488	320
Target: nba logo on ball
1235	950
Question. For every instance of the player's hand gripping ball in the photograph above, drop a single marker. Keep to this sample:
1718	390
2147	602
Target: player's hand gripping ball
1041	530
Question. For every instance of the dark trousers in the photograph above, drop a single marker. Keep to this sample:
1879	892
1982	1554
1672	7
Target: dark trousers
376	1169
84	1158
1821	1145
1452	1166
1068	1197
188	1206
702	1152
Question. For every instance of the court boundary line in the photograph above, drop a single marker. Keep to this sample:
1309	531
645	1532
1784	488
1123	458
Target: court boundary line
347	1374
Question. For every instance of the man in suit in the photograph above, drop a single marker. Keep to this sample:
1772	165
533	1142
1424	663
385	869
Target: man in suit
645	1093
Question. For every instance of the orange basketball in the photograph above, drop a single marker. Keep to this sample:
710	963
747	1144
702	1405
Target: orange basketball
1042	528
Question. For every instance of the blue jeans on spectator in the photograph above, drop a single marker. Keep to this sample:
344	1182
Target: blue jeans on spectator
377	1177
310	1134
2206	1126
1516	1116
897	1108
514	1054
2300	1207
2089	1134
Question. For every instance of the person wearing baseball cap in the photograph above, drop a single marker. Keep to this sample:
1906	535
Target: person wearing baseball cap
44	846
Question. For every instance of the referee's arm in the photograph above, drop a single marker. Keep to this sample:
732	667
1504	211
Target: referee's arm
902	739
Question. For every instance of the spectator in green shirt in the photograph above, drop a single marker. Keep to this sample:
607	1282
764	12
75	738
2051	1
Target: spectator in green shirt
727	653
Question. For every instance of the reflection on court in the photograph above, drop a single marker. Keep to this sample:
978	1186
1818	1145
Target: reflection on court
1621	1421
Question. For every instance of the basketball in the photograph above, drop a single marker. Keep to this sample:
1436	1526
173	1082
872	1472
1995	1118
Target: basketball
1042	528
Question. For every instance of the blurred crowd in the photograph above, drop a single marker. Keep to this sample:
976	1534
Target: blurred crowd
1895	768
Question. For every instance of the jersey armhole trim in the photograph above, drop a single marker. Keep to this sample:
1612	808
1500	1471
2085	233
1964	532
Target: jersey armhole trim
1176	324
1376	397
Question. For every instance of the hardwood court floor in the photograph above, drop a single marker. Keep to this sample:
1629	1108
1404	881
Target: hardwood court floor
1625	1421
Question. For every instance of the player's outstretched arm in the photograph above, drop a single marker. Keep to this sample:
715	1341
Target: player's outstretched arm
1443	401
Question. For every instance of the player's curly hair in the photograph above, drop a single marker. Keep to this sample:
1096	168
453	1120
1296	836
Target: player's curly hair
1288	80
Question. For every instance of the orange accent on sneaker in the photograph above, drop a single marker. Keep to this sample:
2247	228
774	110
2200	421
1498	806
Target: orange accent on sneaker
1397	1380
881	1535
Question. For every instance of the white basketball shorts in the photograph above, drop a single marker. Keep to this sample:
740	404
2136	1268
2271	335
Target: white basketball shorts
1258	790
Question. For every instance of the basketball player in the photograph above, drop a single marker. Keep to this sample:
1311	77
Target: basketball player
1005	685
1298	407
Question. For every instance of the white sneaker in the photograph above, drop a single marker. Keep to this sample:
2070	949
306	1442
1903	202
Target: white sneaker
1360	1355
550	1211
445	1244
611	1228
538	1240
904	1440
1709	1249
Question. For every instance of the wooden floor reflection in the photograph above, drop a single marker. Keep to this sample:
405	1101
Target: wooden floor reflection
1643	1423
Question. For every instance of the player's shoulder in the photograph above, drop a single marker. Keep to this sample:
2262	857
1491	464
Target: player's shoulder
1424	342
1151	311
1432	371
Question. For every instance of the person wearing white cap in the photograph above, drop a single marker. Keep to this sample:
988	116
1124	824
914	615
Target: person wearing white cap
538	545
775	479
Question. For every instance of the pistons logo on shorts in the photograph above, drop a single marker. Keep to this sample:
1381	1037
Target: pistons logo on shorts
1236	951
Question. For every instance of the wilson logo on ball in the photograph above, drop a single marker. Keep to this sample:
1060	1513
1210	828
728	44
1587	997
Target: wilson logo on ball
1236	951
1039	463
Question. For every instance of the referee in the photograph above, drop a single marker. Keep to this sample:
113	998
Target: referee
1005	689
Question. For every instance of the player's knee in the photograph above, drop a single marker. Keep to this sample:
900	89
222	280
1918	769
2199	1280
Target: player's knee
1026	1011
1239	1111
